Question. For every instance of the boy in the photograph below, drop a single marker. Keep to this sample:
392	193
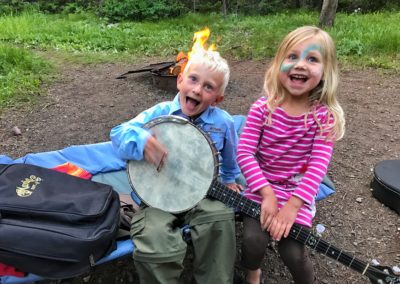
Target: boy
160	249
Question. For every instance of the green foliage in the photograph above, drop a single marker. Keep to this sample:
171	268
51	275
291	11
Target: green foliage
21	74
13	7
121	10
8	7
243	37
362	6
368	39
260	7
350	47
125	10
205	6
258	36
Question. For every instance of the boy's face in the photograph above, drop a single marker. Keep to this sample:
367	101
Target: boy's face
199	88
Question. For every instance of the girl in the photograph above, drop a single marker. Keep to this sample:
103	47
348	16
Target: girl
286	145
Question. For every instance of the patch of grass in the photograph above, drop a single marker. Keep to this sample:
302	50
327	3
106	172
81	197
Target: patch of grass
358	36
369	40
21	75
258	36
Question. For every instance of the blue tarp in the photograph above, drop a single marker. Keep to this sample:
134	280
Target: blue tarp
94	158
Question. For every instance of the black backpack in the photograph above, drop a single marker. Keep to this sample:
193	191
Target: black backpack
53	224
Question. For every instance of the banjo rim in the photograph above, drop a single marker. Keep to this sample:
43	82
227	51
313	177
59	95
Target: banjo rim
178	120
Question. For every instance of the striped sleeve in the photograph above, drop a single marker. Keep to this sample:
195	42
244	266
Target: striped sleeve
317	166
248	145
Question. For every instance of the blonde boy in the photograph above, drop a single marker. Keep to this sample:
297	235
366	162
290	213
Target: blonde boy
160	249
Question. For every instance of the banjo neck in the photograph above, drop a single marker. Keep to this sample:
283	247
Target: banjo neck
253	209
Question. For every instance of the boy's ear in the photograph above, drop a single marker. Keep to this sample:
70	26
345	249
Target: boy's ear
179	81
219	99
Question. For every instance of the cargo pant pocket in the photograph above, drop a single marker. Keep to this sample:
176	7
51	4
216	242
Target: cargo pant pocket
155	238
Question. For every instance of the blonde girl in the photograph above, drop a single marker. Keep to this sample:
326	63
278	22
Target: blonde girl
286	146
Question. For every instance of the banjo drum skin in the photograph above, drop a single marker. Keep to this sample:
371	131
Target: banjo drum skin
188	172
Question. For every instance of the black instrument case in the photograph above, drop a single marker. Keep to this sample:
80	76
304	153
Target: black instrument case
385	184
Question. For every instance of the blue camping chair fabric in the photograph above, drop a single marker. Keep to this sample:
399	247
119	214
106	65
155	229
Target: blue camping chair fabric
101	161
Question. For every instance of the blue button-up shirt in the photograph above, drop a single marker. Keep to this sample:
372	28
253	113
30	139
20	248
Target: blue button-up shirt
129	138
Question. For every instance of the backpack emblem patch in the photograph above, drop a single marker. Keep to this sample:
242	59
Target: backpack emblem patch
28	186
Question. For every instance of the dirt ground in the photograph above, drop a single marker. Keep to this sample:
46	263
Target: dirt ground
86	102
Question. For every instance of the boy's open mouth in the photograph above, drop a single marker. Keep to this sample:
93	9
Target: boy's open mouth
191	101
297	77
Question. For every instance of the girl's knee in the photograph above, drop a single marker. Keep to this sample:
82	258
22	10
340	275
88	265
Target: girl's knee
254	238
293	254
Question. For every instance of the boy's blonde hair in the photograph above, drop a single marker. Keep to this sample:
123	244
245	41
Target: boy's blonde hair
326	92
213	61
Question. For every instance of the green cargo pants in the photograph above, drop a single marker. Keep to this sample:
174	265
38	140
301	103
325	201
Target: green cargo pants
160	249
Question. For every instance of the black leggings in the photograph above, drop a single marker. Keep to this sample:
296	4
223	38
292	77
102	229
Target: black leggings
293	253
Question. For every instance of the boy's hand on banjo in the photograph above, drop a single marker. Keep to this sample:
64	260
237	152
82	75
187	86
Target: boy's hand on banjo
155	153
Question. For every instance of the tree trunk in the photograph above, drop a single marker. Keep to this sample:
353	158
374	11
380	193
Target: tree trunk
328	13
224	7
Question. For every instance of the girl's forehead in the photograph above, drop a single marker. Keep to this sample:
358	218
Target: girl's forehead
308	45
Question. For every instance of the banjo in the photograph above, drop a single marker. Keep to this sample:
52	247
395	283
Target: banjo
191	173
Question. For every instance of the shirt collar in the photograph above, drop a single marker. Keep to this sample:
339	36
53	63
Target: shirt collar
204	117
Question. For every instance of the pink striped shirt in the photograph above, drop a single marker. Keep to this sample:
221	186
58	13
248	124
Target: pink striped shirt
291	155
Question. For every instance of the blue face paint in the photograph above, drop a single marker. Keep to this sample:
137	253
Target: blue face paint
285	67
310	48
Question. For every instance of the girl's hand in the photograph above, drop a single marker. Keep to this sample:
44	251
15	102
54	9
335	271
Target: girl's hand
155	153
235	187
269	207
284	220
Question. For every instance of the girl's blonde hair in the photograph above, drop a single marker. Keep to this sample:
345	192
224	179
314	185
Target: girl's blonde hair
325	93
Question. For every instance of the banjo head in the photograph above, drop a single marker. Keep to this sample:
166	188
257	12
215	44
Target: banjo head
188	172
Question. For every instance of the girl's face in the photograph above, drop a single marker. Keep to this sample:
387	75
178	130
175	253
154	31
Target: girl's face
302	68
